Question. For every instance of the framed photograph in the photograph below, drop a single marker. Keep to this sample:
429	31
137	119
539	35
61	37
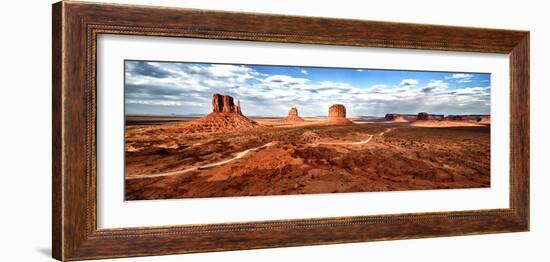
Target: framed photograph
183	130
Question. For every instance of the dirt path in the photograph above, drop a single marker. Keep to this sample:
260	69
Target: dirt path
237	156
244	153
362	142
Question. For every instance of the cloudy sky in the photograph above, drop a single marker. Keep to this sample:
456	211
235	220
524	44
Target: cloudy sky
170	88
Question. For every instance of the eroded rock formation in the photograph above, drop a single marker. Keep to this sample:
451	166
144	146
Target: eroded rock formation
400	117
239	107
225	104
422	116
217	103
225	116
337	111
425	119
228	105
337	114
426	116
293	116
485	119
413	117
293	111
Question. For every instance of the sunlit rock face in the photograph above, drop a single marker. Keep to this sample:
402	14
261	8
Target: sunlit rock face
337	114
225	104
337	111
225	116
293	116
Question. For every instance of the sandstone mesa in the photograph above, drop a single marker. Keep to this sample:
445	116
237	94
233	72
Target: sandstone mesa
225	116
293	116
337	115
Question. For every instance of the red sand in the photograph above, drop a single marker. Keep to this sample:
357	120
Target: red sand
443	123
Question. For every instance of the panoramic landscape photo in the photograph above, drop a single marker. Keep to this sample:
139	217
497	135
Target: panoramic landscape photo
196	130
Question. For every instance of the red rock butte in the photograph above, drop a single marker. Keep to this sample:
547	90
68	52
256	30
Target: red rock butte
400	117
293	116
412	117
483	119
225	104
426	116
225	116
423	116
337	114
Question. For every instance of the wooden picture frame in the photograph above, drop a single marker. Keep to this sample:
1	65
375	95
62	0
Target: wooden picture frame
76	26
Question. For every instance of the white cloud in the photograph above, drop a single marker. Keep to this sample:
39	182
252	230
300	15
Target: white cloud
379	86
187	89
284	79
160	102
464	80
472	90
460	77
232	73
435	86
408	82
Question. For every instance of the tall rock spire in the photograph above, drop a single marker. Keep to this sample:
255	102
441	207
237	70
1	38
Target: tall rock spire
239	106
224	104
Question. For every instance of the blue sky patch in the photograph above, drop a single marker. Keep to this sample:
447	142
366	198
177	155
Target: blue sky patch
176	88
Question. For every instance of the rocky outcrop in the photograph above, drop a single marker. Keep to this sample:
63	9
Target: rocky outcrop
217	103
454	117
228	106
293	111
412	117
422	116
439	120
337	114
239	107
436	117
225	116
426	116
224	104
293	116
337	111
485	119
400	117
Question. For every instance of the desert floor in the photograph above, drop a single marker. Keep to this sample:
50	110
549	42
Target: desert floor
306	158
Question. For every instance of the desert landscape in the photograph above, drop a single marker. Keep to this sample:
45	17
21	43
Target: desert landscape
225	153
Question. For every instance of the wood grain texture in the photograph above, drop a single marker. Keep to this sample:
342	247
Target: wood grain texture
76	27
519	129
57	195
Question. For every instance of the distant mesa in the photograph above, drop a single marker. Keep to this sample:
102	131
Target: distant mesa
413	117
337	114
400	117
422	116
438	120
454	117
426	116
293	116
482	119
225	116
